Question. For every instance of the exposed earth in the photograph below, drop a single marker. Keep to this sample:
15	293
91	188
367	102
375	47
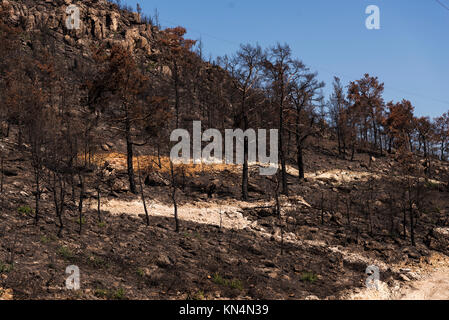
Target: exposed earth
226	248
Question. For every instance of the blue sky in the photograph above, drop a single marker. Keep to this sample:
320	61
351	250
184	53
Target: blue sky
410	53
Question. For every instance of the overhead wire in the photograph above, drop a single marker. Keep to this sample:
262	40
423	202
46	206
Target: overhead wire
333	72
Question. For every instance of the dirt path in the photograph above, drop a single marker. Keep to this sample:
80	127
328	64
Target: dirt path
431	283
226	215
434	287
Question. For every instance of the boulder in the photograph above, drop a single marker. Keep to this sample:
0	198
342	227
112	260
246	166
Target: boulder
154	180
163	260
252	187
438	239
10	172
120	186
6	294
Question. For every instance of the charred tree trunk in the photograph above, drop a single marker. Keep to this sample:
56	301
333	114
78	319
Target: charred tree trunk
177	97
352	152
404	219
80	203
300	162
20	138
442	151
59	187
339	141
129	156
2	175
348	211
322	208
278	213
245	162
173	196
142	194
37	195
245	171
412	228
299	158
281	150
98	204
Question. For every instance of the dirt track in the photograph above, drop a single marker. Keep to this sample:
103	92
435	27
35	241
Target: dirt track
435	287
431	283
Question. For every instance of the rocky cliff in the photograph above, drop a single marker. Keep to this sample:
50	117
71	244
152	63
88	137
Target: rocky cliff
100	21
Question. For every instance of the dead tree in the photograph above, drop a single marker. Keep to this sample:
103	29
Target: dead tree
278	212
322	208
142	194
280	71
304	95
173	196
244	69
80	202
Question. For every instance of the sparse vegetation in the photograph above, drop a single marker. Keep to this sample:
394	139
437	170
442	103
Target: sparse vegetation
6	268
97	262
47	239
194	235
102	224
309	276
82	221
66	253
86	176
25	210
198	295
233	284
112	294
140	272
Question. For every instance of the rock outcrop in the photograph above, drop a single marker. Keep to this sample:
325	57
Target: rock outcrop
100	20
438	239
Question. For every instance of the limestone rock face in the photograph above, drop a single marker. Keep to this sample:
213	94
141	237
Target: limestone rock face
100	20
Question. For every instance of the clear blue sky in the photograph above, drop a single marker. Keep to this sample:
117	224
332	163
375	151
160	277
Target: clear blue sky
410	53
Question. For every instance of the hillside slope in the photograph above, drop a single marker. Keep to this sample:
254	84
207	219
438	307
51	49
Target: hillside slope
226	248
315	243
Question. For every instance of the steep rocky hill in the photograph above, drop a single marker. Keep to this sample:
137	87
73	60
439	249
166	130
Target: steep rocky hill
100	21
226	248
315	243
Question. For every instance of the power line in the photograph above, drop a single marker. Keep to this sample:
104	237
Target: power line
442	4
387	87
422	96
202	33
